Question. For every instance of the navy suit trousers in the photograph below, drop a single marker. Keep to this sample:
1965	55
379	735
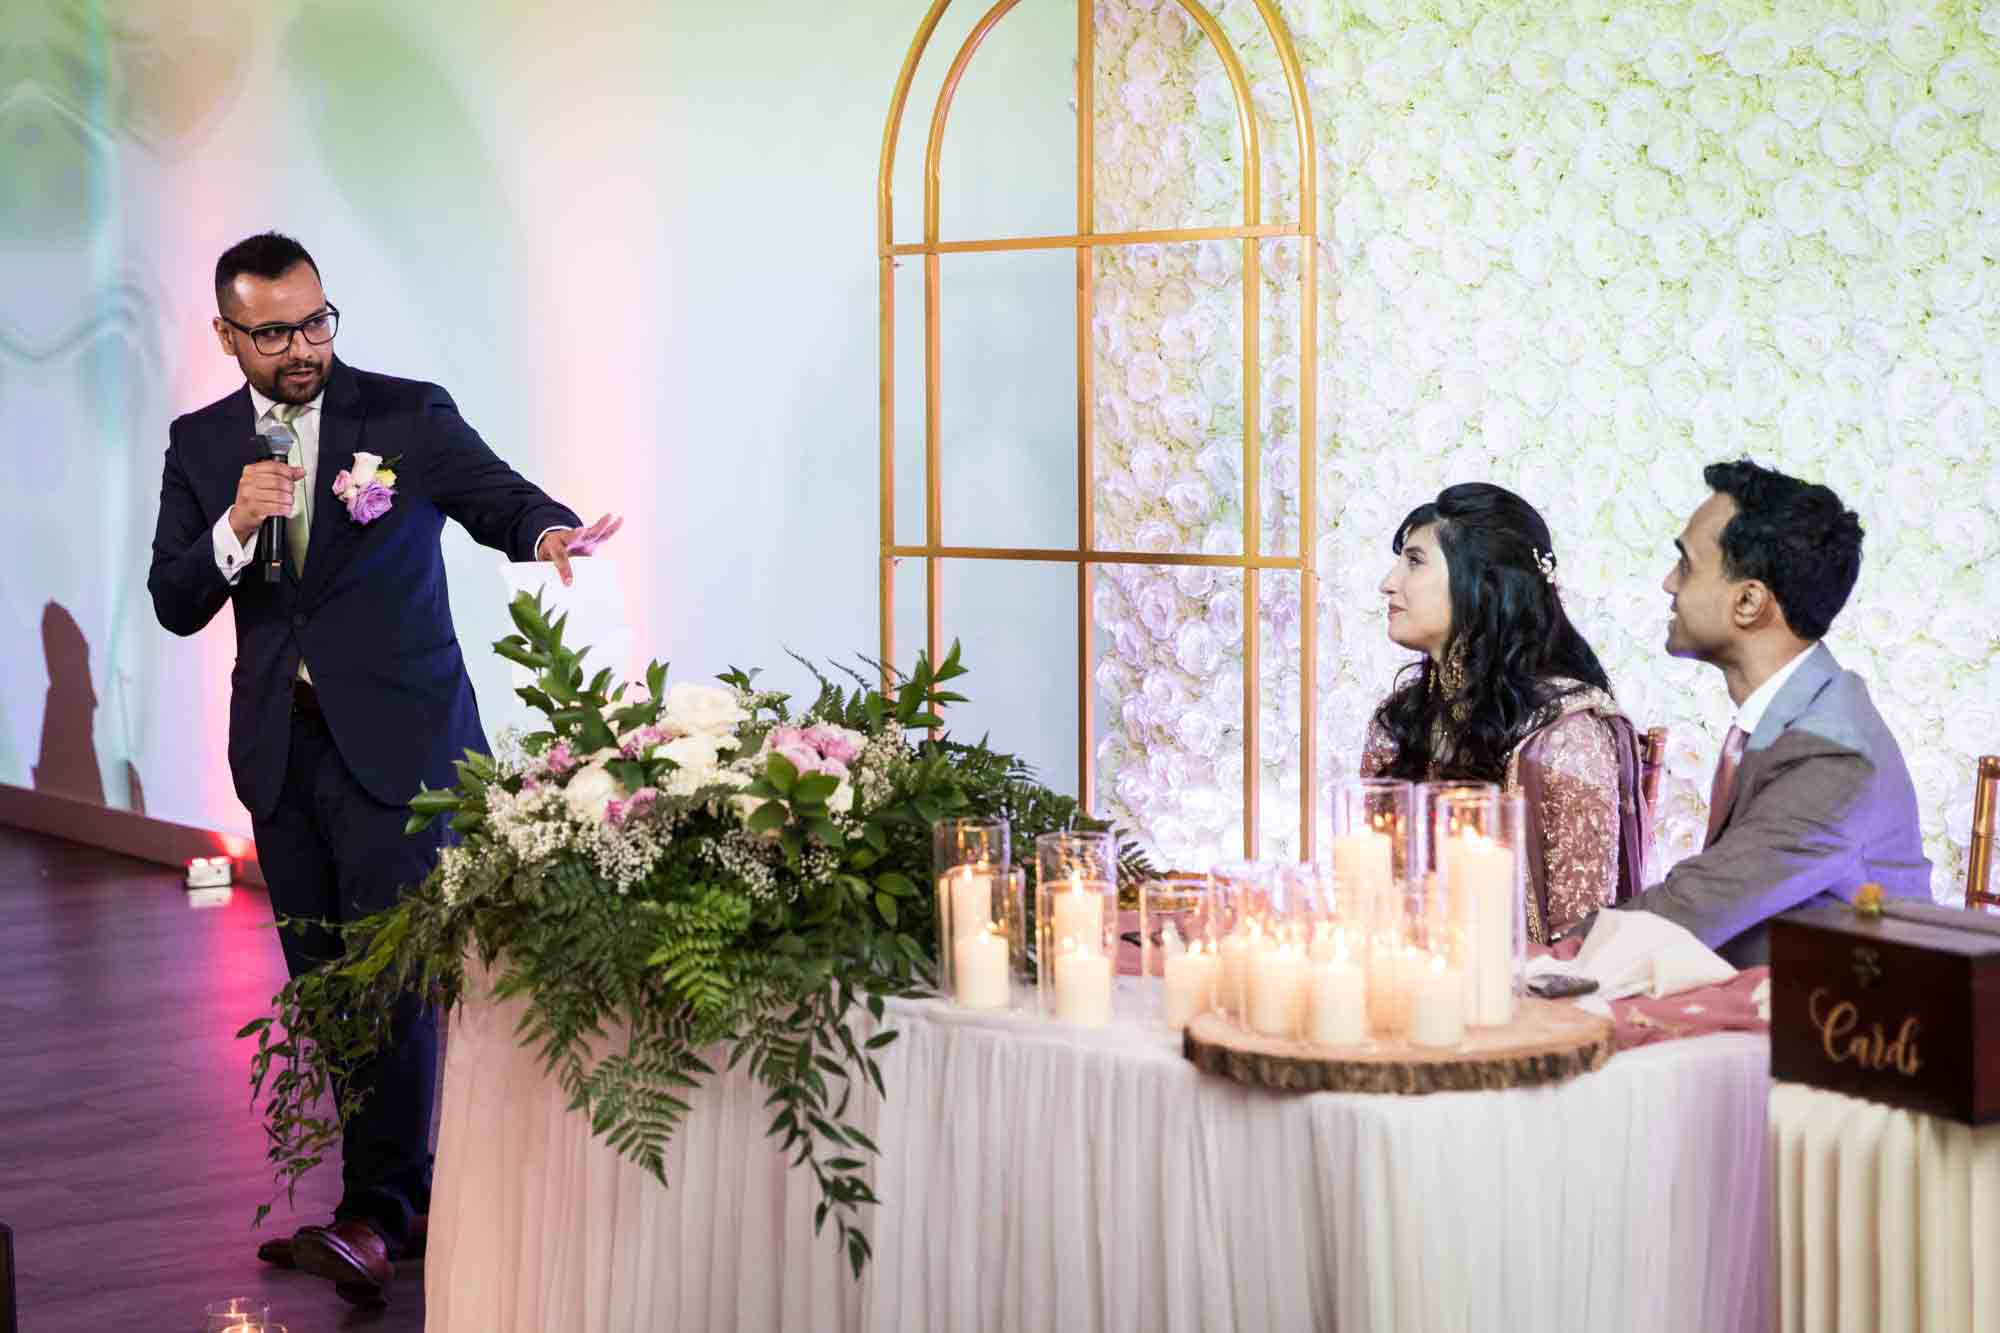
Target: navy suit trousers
332	854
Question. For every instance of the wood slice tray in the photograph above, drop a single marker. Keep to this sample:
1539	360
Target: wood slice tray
1547	1042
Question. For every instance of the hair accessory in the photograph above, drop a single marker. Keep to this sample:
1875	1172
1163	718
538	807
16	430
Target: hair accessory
1546	562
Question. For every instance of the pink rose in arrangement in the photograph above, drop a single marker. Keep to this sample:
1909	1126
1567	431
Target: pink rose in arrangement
370	503
833	743
642	740
801	757
559	760
617	812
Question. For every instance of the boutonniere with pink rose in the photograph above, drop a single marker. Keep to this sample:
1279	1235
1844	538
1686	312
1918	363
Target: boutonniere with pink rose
368	488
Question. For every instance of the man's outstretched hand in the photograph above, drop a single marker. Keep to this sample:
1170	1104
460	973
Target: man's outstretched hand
560	545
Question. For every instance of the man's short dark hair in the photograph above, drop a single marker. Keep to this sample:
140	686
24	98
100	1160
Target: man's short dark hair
1792	536
267	255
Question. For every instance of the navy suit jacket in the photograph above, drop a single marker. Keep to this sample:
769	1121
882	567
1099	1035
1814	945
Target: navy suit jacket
370	614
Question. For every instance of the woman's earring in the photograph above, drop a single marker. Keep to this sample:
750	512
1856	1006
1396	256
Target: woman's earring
1451	672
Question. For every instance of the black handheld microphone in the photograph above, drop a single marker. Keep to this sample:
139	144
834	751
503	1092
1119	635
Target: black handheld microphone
271	532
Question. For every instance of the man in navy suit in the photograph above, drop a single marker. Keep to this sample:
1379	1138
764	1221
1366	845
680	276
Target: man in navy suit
349	689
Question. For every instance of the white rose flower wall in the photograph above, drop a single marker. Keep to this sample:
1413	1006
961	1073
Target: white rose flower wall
1581	254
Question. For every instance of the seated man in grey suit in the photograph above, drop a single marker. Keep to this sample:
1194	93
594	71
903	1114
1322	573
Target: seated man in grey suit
1811	798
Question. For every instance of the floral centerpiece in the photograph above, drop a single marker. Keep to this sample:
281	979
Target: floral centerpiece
665	876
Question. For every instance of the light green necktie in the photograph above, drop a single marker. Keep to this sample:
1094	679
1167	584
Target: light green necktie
298	529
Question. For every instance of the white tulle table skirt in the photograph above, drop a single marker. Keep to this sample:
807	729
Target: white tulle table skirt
1037	1177
1877	1214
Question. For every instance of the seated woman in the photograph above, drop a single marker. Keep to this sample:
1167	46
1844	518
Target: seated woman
1509	692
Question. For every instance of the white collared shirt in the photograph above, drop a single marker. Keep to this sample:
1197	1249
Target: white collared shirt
1751	711
231	556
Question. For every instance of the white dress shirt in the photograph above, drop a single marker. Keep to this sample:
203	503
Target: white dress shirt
1751	711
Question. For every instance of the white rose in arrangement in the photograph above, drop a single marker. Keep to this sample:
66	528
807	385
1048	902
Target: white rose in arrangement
1600	248
1959	185
590	790
1678	247
1670	62
1677	384
1962	84
1535	68
1761	251
1919	134
1916	39
1800	95
1799	203
1886	93
1717	104
1756	49
1957	284
1763	147
1919	243
1709	28
1843	48
1715	199
1845	136
1847	227
702	709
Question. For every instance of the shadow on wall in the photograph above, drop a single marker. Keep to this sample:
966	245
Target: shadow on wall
67	763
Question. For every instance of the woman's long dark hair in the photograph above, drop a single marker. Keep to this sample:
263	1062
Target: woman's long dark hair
1507	621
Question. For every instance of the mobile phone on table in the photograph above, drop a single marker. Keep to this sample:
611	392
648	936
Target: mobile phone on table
1560	985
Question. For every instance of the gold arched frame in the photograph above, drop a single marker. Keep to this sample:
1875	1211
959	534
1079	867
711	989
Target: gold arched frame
1086	555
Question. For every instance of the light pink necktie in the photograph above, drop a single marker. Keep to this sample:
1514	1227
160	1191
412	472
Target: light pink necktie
1725	780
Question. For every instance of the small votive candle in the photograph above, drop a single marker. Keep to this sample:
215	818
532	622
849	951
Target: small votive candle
980	970
1191	978
1083	986
1277	980
1437	1004
1337	1003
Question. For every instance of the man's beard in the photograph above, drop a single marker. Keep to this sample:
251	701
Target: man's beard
286	389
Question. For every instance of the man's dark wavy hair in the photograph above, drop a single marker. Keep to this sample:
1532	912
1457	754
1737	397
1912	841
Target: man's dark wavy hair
1521	653
1794	537
268	254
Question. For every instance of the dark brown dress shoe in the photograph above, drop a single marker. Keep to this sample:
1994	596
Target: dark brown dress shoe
352	1255
277	1251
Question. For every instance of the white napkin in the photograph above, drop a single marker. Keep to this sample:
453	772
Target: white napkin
1637	953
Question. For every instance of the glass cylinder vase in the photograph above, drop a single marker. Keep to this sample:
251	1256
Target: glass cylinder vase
969	861
1178	935
1477	845
1243	893
1076	925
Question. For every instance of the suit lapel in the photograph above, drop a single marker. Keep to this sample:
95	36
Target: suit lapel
1797	695
339	437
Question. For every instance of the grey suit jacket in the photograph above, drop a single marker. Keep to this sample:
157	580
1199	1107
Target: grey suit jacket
1823	804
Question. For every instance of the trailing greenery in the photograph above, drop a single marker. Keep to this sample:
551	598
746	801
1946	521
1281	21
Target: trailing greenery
663	877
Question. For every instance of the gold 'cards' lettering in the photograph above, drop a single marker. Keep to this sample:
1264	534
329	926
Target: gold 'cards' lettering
1840	1038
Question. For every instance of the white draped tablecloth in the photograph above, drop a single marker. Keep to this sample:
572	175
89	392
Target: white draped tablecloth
1877	1210
1040	1177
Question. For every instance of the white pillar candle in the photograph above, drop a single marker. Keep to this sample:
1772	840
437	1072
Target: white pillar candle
1079	914
1337	1004
1083	986
1364	861
1190	983
980	970
1437	1004
1277	989
968	892
1481	882
1237	949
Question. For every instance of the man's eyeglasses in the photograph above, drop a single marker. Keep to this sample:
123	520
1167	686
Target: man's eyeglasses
271	339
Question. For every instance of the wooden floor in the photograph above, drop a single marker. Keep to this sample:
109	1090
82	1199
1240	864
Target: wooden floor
131	1162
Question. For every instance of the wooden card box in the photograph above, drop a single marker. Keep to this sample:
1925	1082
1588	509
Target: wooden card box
1902	1008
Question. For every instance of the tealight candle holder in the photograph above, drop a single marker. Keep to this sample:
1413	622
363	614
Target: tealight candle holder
249	1313
1076	925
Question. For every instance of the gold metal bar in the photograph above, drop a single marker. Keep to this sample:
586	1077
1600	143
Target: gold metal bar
933	449
1064	556
934	149
1308	424
885	230
1979	890
1246	113
1253	523
1086	396
1081	240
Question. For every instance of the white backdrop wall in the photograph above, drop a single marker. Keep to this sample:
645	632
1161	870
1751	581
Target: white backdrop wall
1579	249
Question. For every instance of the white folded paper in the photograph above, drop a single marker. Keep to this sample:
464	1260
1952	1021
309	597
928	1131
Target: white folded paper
1637	953
595	604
